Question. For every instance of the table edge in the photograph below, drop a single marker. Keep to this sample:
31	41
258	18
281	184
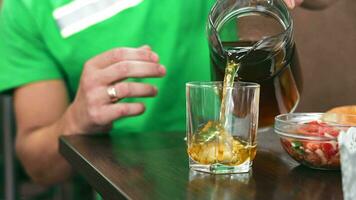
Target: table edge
94	177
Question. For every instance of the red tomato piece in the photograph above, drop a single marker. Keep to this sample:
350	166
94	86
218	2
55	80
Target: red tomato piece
328	150
286	143
316	128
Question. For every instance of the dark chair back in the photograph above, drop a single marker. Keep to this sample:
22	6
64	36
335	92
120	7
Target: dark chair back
16	183
7	127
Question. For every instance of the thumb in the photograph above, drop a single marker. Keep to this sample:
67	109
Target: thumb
290	3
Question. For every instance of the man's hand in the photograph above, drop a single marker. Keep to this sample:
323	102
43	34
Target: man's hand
92	110
293	3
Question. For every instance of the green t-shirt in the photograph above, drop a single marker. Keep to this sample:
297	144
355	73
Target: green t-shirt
33	49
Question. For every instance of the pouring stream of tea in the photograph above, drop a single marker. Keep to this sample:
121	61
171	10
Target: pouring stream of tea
218	128
213	143
234	58
231	70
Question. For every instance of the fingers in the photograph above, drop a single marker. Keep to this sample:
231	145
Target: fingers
93	105
293	3
100	95
110	57
128	89
290	3
145	47
114	111
130	69
108	70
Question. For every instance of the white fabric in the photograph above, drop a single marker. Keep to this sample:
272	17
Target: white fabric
81	14
347	143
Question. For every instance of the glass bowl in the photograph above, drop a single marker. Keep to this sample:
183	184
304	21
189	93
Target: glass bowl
311	138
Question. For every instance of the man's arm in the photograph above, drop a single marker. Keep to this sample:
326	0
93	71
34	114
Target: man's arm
43	111
40	115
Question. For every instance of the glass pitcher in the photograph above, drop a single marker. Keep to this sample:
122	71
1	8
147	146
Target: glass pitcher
259	33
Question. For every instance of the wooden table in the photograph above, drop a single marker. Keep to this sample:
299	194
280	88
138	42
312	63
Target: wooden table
155	166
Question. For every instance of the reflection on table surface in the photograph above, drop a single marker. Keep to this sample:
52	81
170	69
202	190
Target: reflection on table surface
155	166
208	186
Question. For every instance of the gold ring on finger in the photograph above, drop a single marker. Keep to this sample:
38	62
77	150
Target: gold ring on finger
112	94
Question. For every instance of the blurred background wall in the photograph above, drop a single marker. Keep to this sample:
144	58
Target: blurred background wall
326	42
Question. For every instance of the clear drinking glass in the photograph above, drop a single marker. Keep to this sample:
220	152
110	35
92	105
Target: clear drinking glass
222	147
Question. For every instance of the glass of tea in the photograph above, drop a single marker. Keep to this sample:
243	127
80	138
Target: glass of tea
222	124
257	36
